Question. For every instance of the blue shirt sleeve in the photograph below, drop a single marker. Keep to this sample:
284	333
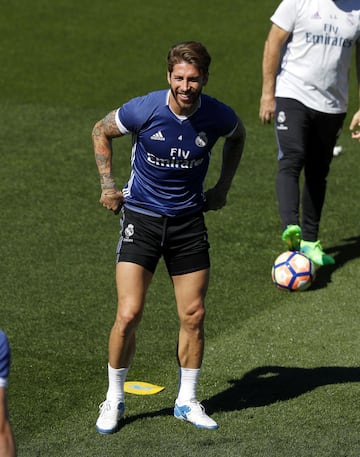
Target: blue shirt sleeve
137	111
4	356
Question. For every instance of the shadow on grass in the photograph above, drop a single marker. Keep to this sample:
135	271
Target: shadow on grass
343	253
161	412
270	384
264	386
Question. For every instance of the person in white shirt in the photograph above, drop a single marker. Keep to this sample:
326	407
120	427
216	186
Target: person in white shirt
306	63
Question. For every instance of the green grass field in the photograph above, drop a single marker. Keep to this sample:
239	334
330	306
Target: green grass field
281	371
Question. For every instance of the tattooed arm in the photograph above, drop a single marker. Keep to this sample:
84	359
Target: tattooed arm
103	133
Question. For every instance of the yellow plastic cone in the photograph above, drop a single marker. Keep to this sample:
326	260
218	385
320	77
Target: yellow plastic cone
142	388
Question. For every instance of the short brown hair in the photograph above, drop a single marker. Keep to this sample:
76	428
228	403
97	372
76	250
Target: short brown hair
192	52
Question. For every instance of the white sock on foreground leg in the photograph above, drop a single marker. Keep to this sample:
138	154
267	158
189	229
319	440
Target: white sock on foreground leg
117	377
188	380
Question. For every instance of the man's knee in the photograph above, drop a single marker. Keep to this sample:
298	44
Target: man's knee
194	318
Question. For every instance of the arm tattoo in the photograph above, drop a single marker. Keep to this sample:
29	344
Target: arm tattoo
107	182
103	133
96	132
109	125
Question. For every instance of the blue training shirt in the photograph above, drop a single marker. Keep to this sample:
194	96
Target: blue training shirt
171	154
4	359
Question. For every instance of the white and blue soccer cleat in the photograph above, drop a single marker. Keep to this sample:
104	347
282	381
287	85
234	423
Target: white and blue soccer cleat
109	417
194	412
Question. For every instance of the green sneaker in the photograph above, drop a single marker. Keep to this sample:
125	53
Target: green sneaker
292	237
313	250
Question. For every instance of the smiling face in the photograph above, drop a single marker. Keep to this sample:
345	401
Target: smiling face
186	83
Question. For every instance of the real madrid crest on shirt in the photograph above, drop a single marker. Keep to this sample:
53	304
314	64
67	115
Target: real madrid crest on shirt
201	140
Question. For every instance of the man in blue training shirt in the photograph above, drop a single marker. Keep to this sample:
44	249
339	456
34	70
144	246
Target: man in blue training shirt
7	444
162	207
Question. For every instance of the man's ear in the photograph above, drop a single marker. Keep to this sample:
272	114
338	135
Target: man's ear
168	77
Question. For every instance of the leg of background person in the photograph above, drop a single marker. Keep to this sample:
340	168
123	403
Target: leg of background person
288	193
324	133
290	127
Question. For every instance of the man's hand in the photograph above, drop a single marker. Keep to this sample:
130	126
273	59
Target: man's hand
267	109
355	126
214	199
112	199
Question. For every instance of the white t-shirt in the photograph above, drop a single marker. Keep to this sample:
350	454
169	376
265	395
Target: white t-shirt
316	63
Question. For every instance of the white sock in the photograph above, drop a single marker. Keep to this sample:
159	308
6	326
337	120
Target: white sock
188	379
117	377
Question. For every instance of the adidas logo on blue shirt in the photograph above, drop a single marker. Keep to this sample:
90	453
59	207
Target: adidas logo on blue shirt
158	136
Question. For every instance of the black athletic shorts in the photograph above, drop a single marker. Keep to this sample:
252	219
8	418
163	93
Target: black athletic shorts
181	241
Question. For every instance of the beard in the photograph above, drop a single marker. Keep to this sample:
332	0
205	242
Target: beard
187	106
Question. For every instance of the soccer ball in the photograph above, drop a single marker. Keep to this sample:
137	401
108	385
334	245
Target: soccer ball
293	270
